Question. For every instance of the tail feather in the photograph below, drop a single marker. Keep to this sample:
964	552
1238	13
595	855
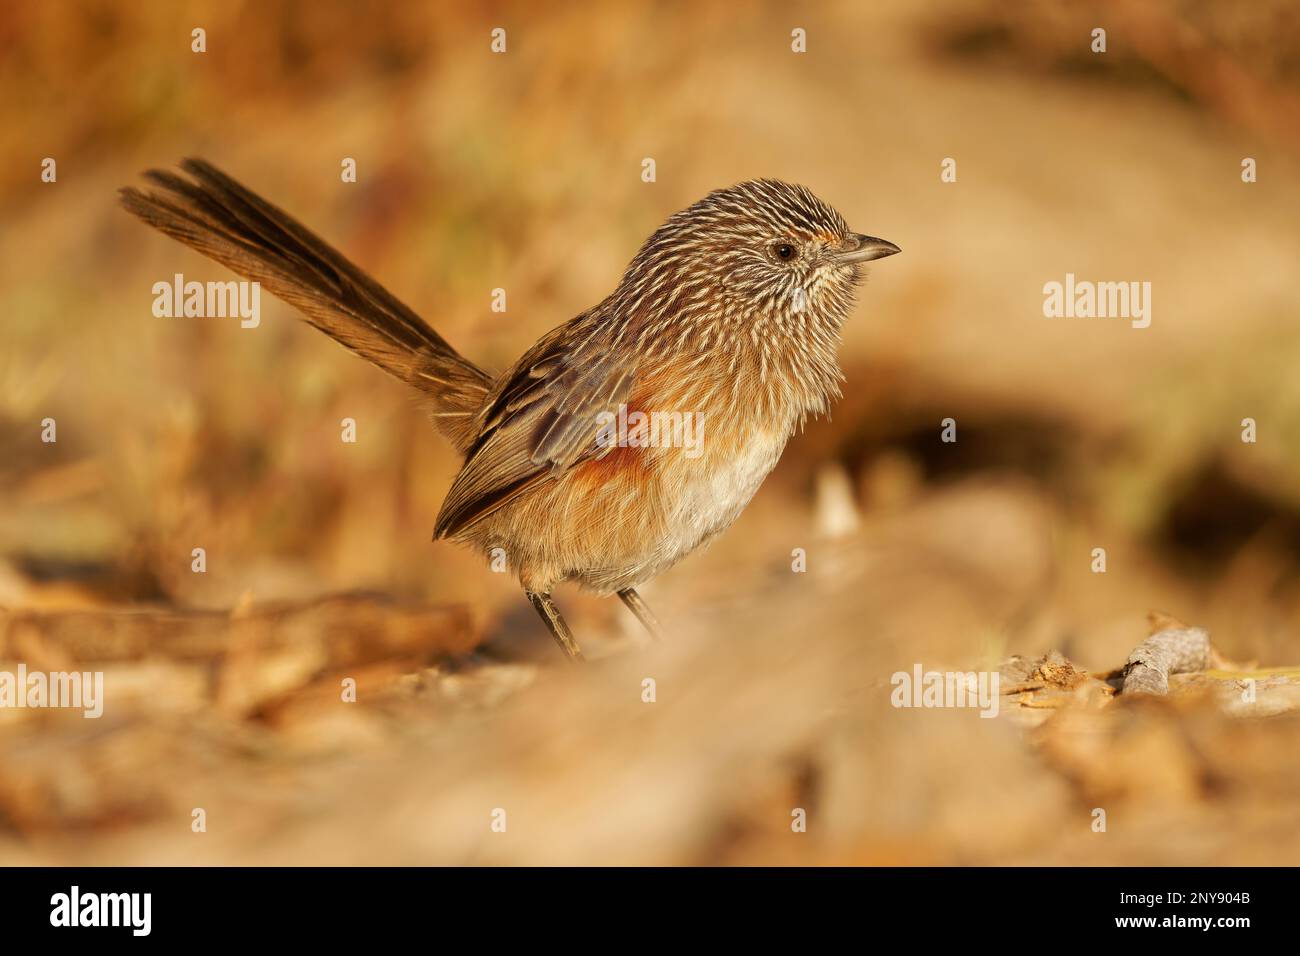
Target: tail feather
231	224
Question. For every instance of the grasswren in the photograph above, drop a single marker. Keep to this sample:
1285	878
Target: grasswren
728	319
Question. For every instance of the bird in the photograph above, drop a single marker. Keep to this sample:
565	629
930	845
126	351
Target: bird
727	318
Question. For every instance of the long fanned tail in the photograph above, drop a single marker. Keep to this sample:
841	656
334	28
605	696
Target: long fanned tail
227	222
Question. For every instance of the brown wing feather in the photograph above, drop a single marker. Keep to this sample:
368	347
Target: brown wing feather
544	420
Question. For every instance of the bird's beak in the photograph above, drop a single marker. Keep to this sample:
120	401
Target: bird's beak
860	248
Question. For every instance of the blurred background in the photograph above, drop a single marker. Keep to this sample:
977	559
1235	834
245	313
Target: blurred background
523	171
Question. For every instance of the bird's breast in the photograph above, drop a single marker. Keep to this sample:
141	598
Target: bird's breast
680	464
702	493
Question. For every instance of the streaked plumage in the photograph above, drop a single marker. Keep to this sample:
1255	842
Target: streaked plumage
711	317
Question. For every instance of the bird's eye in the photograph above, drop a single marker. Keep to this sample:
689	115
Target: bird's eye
784	251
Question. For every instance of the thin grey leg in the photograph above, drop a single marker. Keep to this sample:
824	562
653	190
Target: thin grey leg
642	611
550	616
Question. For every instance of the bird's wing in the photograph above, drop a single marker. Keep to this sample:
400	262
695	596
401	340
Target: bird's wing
544	420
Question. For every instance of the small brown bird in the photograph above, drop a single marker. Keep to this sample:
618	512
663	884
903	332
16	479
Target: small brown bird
723	331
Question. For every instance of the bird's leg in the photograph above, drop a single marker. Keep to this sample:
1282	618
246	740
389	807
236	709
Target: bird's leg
642	611
550	616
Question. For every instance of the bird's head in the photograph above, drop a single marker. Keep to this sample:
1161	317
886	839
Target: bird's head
762	258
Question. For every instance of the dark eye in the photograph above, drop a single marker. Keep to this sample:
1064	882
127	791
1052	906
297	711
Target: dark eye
783	251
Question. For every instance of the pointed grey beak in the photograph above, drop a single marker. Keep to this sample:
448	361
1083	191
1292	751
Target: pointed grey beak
867	248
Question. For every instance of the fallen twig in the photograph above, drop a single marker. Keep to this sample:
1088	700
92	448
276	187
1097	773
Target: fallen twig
1171	650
